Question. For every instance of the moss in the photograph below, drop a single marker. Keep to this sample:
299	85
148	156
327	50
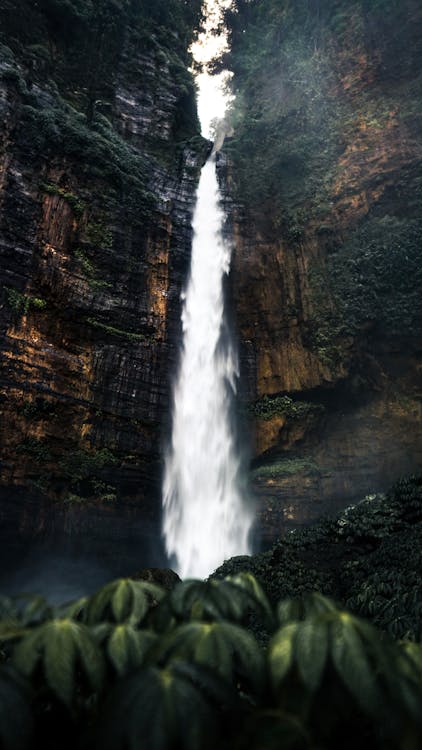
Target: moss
99	234
268	407
22	303
286	467
129	335
77	205
81	464
38	408
35	448
97	150
90	272
370	282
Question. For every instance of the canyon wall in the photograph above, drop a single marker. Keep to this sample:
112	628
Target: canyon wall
323	186
99	160
100	156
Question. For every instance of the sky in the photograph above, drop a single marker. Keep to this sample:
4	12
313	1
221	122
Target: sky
212	101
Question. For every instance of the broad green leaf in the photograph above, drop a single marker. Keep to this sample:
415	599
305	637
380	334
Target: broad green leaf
28	652
413	652
59	660
10	630
179	706
273	730
32	609
232	598
222	646
247	582
289	610
124	600
126	647
351	657
311	647
8	610
16	721
281	652
60	646
74	610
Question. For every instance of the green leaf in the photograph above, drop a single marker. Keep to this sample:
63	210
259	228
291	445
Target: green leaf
179	706
124	600
311	647
273	730
413	653
281	652
59	660
351	657
75	610
10	630
32	609
256	595
229	650
289	610
16	723
232	598
60	646
126	647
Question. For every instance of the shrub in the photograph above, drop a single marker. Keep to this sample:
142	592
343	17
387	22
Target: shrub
327	677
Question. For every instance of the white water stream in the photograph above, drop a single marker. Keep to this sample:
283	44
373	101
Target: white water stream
206	517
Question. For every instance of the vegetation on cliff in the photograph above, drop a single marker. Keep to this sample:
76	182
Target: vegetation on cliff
368	557
135	666
101	155
315	82
64	59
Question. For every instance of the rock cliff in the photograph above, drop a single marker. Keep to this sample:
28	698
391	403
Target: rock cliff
323	188
99	161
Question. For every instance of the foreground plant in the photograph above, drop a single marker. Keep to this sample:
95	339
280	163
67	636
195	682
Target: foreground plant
134	667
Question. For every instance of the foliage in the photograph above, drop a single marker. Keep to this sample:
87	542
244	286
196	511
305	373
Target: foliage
268	407
82	469
373	279
114	679
35	448
369	557
77	205
113	331
232	599
90	271
58	647
286	467
123	601
16	721
65	59
22	303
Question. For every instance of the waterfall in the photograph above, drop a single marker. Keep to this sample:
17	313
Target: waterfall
206	517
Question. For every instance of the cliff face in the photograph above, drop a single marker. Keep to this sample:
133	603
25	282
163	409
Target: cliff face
323	188
99	162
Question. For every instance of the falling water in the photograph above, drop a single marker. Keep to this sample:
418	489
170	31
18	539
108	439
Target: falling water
206	517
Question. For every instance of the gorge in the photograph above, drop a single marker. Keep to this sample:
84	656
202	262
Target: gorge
100	160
